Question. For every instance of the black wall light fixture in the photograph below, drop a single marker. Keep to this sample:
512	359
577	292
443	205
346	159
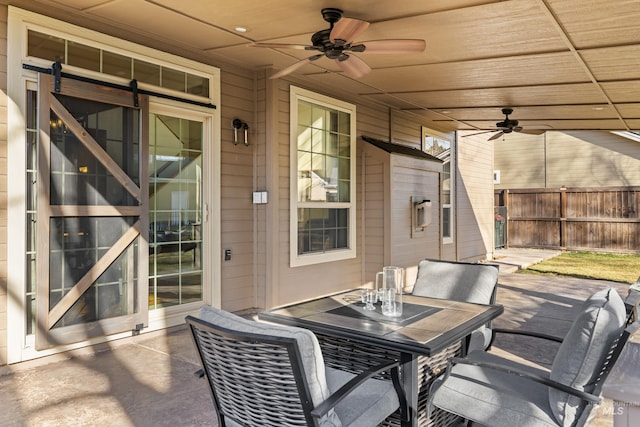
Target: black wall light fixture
237	126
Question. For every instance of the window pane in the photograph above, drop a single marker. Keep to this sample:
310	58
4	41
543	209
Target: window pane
197	85
173	79
318	119
304	114
332	144
345	146
344	191
321	230
332	117
446	221
83	56
116	65
45	46
344	123
436	146
304	138
318	138
146	72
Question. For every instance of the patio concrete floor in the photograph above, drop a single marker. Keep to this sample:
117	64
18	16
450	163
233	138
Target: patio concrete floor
148	380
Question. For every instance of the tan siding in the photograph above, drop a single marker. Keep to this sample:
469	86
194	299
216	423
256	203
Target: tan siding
520	160
413	179
390	182
406	130
3	186
237	220
373	214
260	211
592	159
474	198
573	159
373	123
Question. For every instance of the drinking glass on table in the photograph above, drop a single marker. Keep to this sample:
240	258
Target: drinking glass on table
369	298
391	292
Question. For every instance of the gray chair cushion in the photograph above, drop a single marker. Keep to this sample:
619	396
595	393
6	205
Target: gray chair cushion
459	281
479	339
312	359
456	281
584	349
368	405
492	397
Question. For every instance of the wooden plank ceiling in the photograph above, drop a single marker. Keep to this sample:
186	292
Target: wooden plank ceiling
560	64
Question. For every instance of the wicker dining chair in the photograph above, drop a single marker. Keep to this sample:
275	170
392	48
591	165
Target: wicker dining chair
491	390
264	375
460	281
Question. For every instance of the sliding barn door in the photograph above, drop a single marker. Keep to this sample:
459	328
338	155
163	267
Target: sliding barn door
92	216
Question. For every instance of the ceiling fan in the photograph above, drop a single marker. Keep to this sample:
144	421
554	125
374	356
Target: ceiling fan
507	126
337	43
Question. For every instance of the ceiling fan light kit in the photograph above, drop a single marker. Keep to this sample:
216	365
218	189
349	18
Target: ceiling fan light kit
337	43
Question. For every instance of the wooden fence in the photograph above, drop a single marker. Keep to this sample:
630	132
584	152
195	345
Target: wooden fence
598	219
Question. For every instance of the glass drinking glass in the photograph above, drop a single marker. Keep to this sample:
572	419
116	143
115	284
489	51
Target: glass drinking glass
393	285
391	302
370	297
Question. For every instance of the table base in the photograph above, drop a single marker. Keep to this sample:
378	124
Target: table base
356	357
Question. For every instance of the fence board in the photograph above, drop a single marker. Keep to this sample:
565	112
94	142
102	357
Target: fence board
599	219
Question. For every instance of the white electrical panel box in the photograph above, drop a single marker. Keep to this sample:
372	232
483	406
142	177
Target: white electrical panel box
260	197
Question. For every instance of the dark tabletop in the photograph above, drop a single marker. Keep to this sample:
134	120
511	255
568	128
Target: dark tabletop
427	325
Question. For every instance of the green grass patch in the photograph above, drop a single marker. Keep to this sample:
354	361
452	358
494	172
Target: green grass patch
624	268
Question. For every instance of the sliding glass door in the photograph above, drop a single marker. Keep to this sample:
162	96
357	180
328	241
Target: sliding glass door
175	210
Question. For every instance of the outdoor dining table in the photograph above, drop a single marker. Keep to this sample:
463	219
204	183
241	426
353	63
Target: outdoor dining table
429	332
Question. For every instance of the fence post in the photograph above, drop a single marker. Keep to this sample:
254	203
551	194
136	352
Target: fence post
505	203
563	217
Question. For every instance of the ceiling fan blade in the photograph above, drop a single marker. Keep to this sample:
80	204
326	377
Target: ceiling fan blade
533	131
395	46
347	29
281	46
291	68
496	136
478	133
353	66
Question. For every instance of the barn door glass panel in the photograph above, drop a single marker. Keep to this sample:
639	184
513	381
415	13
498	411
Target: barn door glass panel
175	211
76	245
77	176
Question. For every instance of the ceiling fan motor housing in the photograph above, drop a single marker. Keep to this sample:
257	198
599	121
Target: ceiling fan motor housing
331	15
321	40
507	123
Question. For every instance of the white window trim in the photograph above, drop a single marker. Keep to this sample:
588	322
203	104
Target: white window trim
18	79
452	182
296	260
449	240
